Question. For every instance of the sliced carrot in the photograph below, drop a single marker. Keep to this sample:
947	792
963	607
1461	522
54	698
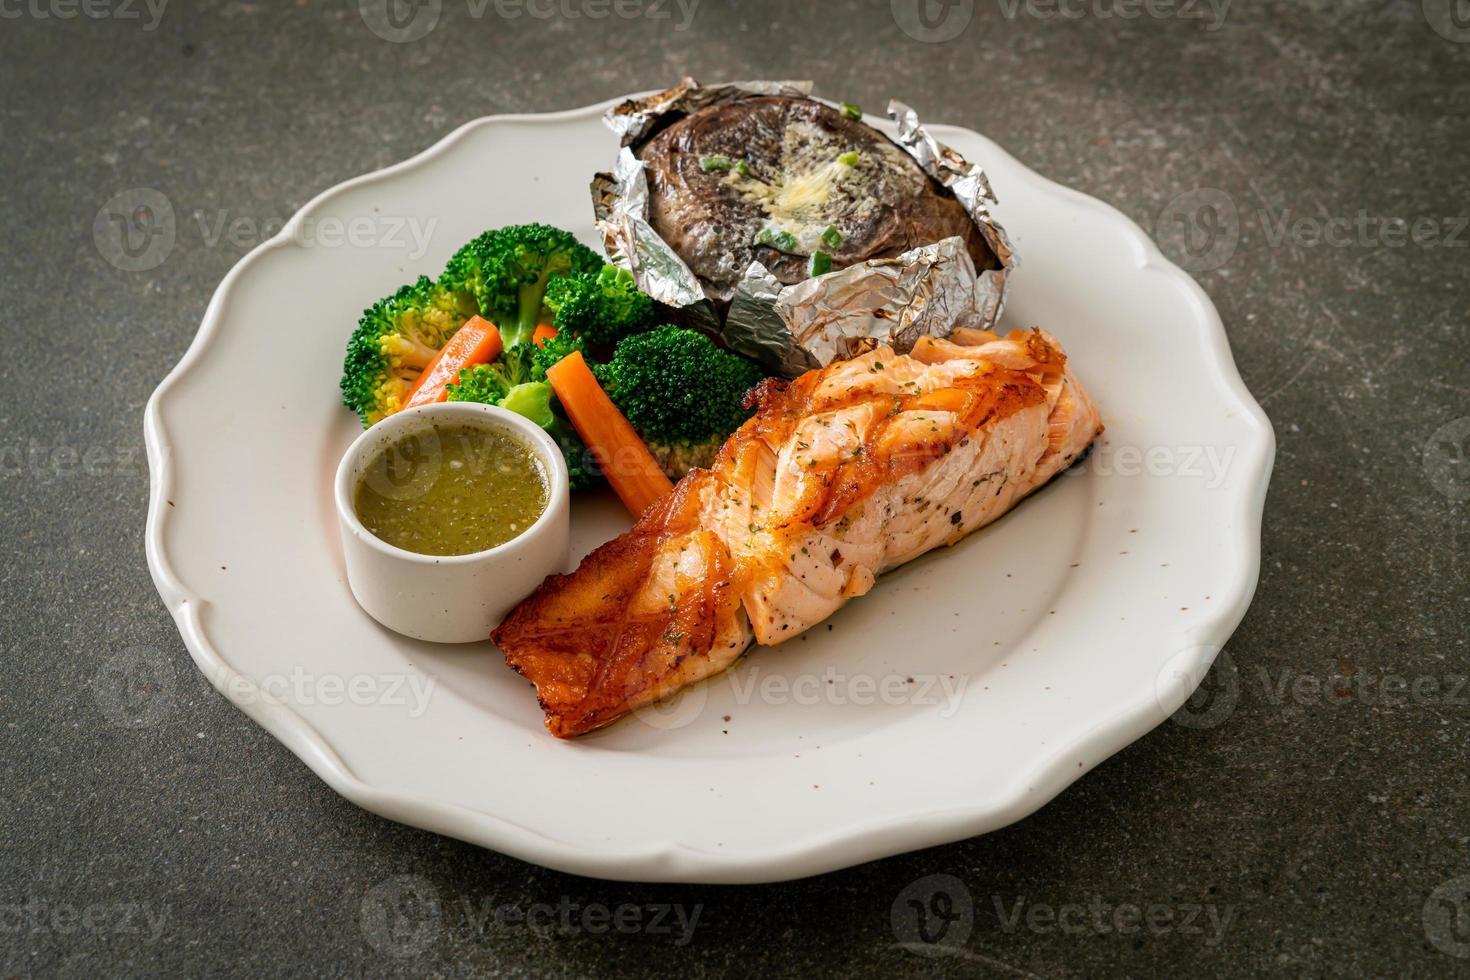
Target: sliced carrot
624	459
544	332
477	342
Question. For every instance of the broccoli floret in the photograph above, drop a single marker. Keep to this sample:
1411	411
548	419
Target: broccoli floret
394	341
507	271
533	400
681	392
553	350
507	382
483	383
602	309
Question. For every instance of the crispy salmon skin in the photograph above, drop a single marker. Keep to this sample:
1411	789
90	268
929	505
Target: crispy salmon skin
840	475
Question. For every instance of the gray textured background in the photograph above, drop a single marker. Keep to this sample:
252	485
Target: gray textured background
1328	826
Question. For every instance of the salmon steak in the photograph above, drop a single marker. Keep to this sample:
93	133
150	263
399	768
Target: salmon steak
838	476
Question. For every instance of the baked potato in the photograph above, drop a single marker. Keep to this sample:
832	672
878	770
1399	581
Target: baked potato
796	185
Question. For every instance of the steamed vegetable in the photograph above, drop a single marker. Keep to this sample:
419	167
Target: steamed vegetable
516	384
681	393
474	343
394	341
507	271
624	459
553	350
602	308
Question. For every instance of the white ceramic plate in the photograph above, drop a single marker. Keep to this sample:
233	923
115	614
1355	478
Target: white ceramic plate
1038	646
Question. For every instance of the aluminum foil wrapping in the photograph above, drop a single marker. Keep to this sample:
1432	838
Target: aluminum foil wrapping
791	329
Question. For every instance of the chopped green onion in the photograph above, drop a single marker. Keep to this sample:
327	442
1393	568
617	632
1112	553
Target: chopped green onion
850	111
831	237
741	168
820	264
718	162
849	159
781	241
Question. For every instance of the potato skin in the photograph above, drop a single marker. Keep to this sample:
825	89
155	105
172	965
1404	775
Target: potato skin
888	206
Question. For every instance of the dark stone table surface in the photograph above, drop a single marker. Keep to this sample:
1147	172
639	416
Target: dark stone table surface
1308	159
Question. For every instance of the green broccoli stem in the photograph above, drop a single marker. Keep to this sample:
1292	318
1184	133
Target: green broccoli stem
532	295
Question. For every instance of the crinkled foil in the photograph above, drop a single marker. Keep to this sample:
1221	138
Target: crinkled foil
931	290
791	329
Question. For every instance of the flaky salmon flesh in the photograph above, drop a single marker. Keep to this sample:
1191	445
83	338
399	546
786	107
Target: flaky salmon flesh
840	475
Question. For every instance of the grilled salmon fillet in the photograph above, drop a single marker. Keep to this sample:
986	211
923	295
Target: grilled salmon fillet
840	475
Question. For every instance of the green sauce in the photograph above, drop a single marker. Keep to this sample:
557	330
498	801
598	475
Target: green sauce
452	490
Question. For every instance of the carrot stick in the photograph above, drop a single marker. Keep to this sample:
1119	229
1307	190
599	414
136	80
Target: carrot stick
477	342
544	332
625	460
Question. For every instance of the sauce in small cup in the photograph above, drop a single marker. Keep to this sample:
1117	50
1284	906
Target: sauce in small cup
451	514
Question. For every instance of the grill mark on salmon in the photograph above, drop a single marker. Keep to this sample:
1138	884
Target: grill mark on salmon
840	475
